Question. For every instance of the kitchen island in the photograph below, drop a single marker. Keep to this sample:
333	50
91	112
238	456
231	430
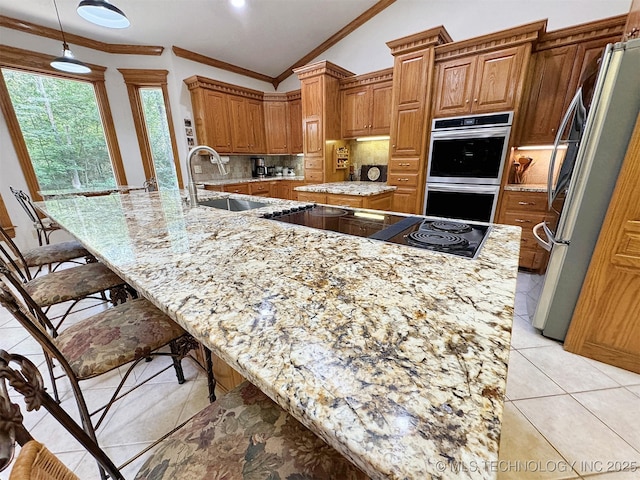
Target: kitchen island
395	356
374	195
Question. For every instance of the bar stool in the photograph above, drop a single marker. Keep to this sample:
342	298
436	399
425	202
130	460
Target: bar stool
44	226
244	431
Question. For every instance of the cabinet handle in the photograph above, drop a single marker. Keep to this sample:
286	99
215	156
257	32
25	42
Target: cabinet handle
369	125
526	203
403	179
475	100
466	101
404	164
519	220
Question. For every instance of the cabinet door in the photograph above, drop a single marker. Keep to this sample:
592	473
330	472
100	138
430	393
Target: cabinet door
454	84
282	189
496	80
214	130
312	106
547	93
295	119
260	189
276	127
406	200
239	121
356	115
255	126
410	75
381	103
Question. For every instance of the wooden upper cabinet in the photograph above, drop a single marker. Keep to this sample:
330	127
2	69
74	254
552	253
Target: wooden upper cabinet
277	126
483	83
560	59
255	126
454	85
312	108
366	110
295	125
212	120
545	105
239	117
632	27
411	74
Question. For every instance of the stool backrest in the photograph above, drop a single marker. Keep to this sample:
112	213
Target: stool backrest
13	256
23	377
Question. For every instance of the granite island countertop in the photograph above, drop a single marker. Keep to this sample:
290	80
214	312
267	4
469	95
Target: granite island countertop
394	355
361	189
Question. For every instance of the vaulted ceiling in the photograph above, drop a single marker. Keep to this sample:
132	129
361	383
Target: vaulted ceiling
267	37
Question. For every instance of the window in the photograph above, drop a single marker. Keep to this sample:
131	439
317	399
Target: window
62	129
60	123
152	118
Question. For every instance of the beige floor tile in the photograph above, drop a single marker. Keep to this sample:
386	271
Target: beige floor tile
624	419
11	337
576	433
524	335
525	453
635	389
524	380
571	372
623	377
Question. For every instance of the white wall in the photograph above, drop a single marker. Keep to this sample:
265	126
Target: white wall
363	51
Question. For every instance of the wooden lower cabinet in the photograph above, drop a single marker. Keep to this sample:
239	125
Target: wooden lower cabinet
312	197
260	189
226	377
526	210
405	200
382	201
242	188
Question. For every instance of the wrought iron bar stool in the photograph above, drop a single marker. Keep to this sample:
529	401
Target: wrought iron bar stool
51	256
44	226
120	336
244	435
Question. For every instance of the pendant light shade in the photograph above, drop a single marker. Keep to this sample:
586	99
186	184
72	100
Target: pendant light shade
68	63
102	13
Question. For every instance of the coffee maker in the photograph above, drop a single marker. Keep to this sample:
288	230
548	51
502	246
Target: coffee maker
258	168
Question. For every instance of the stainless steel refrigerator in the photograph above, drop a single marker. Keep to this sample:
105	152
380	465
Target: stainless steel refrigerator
589	150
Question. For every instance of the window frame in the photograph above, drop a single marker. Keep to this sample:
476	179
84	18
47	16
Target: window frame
135	79
39	63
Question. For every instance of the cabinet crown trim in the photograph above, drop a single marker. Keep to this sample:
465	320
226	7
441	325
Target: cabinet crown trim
323	67
511	37
197	81
379	76
607	27
419	41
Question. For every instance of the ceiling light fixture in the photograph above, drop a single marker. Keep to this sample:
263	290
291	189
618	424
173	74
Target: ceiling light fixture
67	62
238	3
103	13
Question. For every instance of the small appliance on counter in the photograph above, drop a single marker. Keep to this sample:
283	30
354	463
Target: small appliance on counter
373	173
258	168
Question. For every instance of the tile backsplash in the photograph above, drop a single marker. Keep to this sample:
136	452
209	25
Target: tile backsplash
538	169
239	166
374	152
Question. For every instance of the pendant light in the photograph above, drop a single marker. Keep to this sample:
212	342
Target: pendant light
103	13
67	62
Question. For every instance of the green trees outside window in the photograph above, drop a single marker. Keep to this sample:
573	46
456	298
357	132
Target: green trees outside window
62	129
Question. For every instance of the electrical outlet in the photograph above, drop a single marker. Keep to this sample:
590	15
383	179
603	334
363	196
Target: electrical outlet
197	169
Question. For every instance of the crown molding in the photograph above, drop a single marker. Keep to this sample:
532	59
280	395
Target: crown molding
196	81
379	76
607	27
55	34
419	41
323	67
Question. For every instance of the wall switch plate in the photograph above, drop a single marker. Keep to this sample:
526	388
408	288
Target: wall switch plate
197	169
224	158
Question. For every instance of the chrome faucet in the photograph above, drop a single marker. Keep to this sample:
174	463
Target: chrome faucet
215	158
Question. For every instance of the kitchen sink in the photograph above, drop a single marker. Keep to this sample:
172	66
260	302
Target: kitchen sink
232	204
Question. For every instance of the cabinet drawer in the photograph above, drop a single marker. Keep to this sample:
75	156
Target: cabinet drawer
345	200
313	163
404	165
260	188
403	179
312	176
532	258
214	188
237	188
529	201
312	197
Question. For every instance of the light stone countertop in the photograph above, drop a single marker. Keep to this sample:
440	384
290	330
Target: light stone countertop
88	191
231	181
361	189
394	355
526	187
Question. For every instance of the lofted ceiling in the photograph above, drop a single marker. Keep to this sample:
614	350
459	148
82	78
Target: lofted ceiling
265	36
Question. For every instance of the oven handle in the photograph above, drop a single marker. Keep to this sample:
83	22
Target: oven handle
471	133
443	187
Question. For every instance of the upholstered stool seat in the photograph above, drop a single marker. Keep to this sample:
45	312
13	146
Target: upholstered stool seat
116	336
54	253
71	284
245	435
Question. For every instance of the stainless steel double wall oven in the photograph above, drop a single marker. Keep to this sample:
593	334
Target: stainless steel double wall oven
466	159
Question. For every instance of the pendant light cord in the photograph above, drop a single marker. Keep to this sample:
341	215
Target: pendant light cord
64	42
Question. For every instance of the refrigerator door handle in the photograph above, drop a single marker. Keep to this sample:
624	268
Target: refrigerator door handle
551	240
552	162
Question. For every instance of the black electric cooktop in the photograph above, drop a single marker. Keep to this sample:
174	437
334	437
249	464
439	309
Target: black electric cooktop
442	235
